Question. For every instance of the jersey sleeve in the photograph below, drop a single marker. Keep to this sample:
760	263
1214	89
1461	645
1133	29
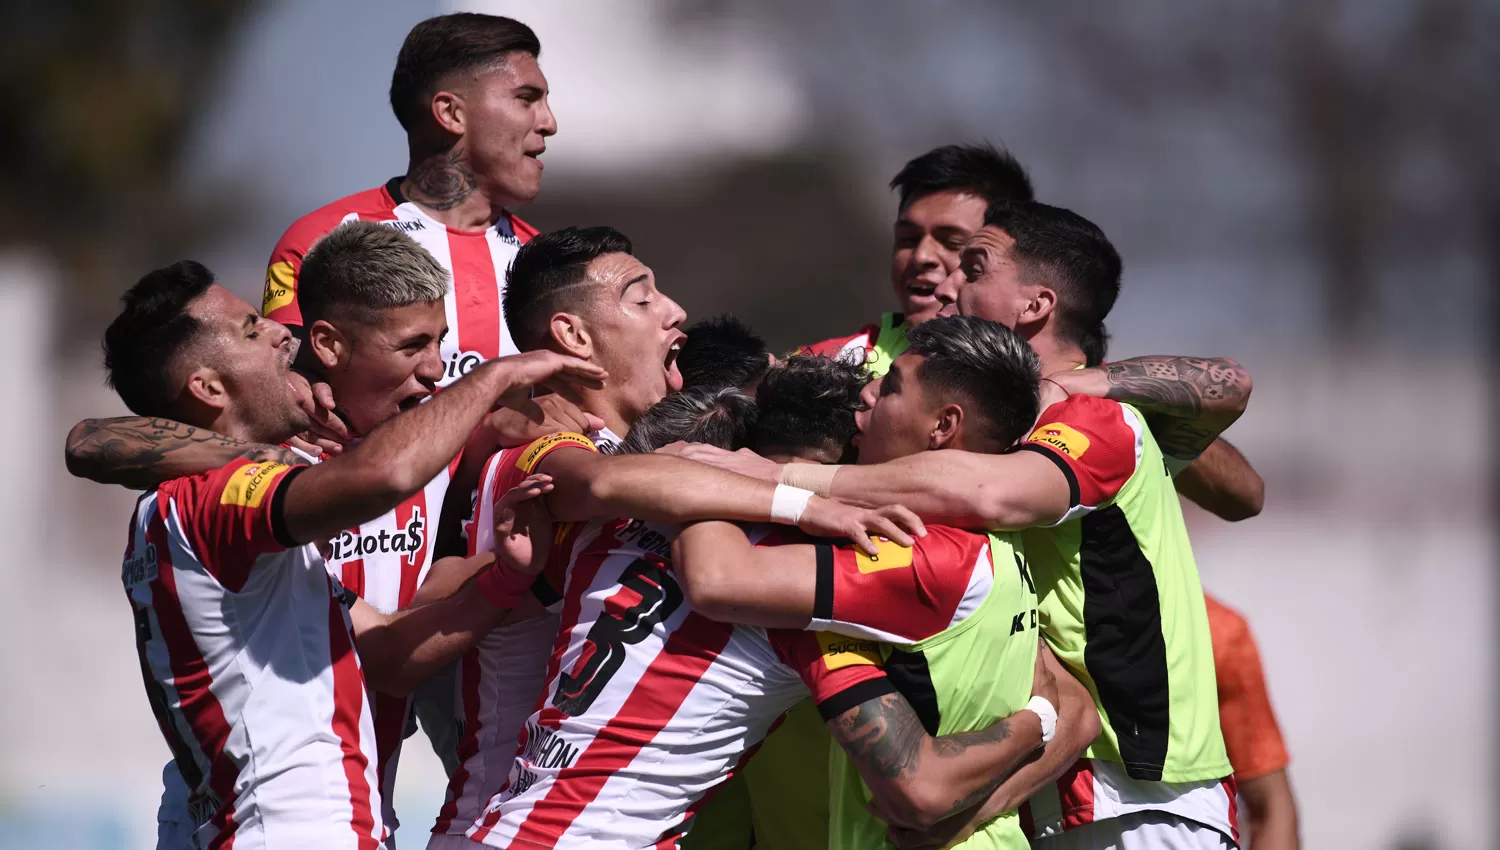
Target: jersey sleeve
504	471
1251	734
900	595
840	346
1096	442
279	302
233	515
840	672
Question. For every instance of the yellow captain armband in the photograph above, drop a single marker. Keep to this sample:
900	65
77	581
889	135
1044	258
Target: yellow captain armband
248	485
840	651
539	449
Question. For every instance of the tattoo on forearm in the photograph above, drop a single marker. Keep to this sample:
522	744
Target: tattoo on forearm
141	452
442	181
1193	398
885	734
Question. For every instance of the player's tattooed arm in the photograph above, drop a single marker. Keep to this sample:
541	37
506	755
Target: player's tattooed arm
918	780
141	452
441	181
1189	400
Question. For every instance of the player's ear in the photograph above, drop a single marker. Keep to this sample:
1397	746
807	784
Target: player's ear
205	388
945	431
448	112
1043	303
571	334
329	345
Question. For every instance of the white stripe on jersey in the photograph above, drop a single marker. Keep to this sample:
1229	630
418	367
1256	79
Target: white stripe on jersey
269	658
1096	789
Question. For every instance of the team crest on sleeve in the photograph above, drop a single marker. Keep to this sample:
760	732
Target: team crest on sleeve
892	556
281	288
840	651
1064	438
247	486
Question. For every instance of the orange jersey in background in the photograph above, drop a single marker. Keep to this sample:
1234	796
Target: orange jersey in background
1250	732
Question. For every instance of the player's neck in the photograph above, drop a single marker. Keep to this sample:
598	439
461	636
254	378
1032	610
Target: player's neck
443	185
599	403
1056	355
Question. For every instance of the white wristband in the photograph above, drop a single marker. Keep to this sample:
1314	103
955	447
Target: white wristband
788	503
1044	711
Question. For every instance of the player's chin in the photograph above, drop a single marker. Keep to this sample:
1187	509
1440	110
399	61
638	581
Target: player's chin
919	307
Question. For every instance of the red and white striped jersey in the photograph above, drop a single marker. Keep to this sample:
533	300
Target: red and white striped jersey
500	679
649	706
249	664
478	262
385	561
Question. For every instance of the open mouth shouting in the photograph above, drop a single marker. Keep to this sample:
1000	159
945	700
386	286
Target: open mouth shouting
669	363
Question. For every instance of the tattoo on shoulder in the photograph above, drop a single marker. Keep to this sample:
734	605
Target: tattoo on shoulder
442	181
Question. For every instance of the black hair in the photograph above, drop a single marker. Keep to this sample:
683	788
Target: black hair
719	416
1069	254
152	329
544	274
978	169
448	44
808	402
986	367
722	352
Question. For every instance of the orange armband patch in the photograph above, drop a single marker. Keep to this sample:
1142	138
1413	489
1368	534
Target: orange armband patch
539	449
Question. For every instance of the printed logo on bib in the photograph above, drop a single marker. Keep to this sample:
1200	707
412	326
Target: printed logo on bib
281	288
408	541
840	651
541	448
247	486
141	567
461	363
892	556
1061	437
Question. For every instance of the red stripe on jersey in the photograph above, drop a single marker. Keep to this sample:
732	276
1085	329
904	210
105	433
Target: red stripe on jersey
1076	788
688	653
413	509
348	702
468	748
193	682
352	572
476	294
390	729
1232	788
1028	823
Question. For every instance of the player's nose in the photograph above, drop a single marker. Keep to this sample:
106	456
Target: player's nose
947	291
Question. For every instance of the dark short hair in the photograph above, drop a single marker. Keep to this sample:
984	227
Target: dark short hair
449	44
1070	255
545	276
722	352
985	367
807	403
719	416
979	169
153	328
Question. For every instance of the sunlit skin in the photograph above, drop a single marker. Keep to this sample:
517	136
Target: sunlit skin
902	418
928	238
632	330
378	370
988	283
506	122
243	385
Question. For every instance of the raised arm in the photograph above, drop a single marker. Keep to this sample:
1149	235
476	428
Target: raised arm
141	452
660	488
1222	482
402	455
1188	401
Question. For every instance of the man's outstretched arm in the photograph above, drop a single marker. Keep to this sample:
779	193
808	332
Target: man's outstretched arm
141	452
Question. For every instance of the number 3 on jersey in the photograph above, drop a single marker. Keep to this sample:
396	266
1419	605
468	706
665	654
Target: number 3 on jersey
647	596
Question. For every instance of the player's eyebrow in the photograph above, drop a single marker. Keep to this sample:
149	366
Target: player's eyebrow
640	278
528	89
973	253
250	320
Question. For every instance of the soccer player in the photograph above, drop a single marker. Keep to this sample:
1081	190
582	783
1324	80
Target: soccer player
473	102
723	352
943	195
581	291
1120	599
246	644
1251	735
650	704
